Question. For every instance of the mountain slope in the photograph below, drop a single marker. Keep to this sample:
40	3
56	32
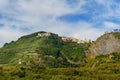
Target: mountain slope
107	43
43	48
40	50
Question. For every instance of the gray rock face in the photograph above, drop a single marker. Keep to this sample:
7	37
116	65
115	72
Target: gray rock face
104	45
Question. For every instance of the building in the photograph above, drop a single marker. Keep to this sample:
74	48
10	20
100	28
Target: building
69	39
20	61
87	40
64	38
43	34
73	39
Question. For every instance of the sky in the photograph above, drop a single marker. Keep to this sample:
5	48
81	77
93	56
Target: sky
76	18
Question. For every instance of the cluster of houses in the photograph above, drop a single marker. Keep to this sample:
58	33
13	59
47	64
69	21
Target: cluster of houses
64	38
44	34
75	39
69	39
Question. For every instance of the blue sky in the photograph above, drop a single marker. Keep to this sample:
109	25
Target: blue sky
77	18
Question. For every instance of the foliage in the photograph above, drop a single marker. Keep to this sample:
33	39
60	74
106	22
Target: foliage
116	34
52	50
50	58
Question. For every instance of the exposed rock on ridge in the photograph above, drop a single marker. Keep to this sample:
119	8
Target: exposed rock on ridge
106	44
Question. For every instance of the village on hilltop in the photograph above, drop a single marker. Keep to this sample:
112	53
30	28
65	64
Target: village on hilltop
64	38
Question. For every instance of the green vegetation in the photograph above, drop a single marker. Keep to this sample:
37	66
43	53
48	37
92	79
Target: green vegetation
106	68
50	50
116	34
34	57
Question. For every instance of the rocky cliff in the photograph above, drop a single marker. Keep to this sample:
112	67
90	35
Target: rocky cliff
107	43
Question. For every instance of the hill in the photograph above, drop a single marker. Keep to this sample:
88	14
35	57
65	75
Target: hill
47	56
43	48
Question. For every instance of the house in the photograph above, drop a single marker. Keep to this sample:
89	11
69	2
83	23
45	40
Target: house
64	38
69	39
46	34
43	34
20	61
87	40
73	39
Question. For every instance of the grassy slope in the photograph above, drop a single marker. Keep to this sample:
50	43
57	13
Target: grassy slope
102	67
116	34
49	49
106	69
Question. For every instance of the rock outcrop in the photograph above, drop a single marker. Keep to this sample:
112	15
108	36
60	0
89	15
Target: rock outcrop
106	44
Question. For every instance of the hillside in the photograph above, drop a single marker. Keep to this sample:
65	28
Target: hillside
103	67
107	43
43	48
47	56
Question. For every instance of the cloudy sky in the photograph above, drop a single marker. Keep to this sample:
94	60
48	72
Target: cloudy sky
77	18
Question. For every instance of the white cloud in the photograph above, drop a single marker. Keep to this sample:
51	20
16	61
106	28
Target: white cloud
111	25
39	15
7	34
51	7
111	8
88	31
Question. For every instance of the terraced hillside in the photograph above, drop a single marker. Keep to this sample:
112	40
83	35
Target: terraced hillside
43	48
45	56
